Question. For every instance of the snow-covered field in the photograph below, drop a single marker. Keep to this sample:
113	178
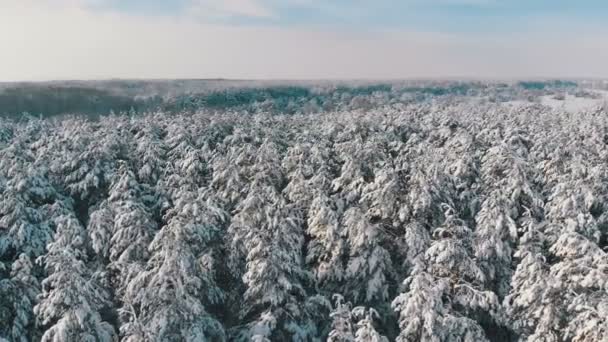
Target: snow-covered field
435	218
569	103
573	104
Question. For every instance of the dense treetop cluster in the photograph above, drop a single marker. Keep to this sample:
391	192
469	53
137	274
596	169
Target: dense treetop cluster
434	221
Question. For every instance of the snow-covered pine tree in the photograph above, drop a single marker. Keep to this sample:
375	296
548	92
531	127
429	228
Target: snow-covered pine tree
264	188
133	226
385	196
299	170
231	174
19	291
425	316
369	267
277	305
28	206
100	229
352	179
24	229
168	298
83	162
342	325
448	269
366	332
150	153
327	247
495	239
187	162
428	189
71	299
129	238
530	305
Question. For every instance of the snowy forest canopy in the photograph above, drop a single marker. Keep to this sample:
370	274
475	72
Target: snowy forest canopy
379	218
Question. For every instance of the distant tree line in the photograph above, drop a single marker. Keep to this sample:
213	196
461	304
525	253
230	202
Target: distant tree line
52	101
94	100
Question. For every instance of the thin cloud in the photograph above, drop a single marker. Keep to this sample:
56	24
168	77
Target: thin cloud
465	2
230	8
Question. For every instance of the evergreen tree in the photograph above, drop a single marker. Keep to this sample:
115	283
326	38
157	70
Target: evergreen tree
277	307
19	294
168	298
369	265
365	327
327	248
342	322
71	298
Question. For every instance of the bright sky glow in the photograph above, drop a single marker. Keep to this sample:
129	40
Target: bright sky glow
304	39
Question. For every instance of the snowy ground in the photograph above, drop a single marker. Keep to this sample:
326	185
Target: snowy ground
570	103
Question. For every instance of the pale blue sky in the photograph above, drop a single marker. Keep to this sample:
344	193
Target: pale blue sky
309	39
433	15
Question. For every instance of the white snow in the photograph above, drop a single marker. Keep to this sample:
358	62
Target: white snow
570	103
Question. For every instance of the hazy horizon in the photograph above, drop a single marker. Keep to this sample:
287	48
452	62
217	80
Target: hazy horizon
314	80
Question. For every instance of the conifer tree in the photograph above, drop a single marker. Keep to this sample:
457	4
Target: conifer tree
168	298
71	298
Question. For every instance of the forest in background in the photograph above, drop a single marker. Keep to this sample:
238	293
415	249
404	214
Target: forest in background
99	98
437	220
